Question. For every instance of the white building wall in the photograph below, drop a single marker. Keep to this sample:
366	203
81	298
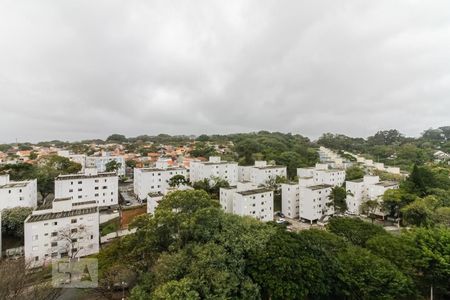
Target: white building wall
103	188
99	162
214	168
258	205
153	202
313	203
42	241
17	193
290	200
152	180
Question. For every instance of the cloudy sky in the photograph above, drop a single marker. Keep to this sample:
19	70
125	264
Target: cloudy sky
72	70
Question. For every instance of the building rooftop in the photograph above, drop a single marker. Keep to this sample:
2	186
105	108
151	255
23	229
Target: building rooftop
84	176
231	187
84	203
319	187
161	170
211	163
255	191
63	214
387	183
62	199
356	180
155	194
17	184
270	167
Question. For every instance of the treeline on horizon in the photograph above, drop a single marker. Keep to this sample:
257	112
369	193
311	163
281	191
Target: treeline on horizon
392	135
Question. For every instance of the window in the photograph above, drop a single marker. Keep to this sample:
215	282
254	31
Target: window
71	191
54	233
35	248
79	196
45	224
80	182
54	244
54	254
96	187
80	190
96	195
36	258
55	223
104	187
35	237
74	230
73	221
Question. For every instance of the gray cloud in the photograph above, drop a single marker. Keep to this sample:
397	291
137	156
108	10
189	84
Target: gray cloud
82	69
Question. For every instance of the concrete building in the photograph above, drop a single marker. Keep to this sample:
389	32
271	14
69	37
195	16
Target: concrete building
100	162
17	193
314	202
245	199
290	200
153	199
215	167
103	188
368	188
63	229
261	172
322	174
154	180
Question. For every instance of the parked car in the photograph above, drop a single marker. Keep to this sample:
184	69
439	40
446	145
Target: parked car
281	221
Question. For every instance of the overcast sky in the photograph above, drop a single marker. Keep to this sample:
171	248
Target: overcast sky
73	70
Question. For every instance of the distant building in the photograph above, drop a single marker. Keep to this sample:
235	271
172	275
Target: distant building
100	163
155	180
246	199
17	193
367	188
154	198
103	188
309	199
62	229
215	167
261	172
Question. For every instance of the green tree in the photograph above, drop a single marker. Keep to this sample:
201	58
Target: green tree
370	207
13	219
337	196
354	172
117	138
366	276
113	166
177	180
354	230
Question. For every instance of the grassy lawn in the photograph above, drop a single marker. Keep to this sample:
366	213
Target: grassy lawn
110	226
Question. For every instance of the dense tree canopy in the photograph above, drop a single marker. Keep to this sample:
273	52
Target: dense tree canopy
191	249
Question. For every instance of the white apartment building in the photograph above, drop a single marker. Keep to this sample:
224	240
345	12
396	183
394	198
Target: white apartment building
153	199
215	167
17	193
314	202
245	199
290	200
368	188
322	174
103	188
100	162
154	180
261	172
62	229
